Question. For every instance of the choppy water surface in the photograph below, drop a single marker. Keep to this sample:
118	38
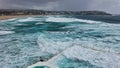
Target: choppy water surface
81	41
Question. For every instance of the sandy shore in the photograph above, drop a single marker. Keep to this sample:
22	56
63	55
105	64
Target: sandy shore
16	16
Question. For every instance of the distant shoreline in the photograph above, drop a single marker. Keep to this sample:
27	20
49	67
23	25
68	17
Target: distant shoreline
5	17
15	13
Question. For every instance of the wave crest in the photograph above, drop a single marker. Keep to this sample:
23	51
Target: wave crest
53	19
6	32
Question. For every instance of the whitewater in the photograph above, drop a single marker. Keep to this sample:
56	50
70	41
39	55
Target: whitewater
60	42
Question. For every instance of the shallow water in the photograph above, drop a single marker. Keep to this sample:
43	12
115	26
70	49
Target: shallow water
83	42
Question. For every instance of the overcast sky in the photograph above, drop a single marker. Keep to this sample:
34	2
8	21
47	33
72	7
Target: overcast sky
111	6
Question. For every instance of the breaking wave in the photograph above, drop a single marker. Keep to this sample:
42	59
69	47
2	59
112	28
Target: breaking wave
30	19
98	58
75	49
54	19
6	32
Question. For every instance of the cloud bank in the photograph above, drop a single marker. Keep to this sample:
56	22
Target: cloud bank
111	6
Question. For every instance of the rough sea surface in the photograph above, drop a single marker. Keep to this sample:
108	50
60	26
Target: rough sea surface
80	41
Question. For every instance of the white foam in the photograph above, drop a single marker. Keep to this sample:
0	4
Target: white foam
58	44
29	19
39	23
53	19
74	49
53	46
6	32
11	19
8	20
99	58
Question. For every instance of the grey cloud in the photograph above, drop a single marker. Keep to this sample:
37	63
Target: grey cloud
74	5
23	3
111	6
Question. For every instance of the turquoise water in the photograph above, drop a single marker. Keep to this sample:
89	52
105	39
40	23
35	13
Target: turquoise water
81	41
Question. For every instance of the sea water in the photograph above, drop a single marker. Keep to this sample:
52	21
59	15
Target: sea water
77	41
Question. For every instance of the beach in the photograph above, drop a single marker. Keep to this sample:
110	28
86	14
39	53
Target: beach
5	17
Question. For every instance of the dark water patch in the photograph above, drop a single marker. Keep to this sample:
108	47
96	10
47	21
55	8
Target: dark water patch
107	19
96	34
70	63
41	67
33	28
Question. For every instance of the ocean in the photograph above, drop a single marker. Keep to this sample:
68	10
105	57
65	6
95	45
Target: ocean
63	40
